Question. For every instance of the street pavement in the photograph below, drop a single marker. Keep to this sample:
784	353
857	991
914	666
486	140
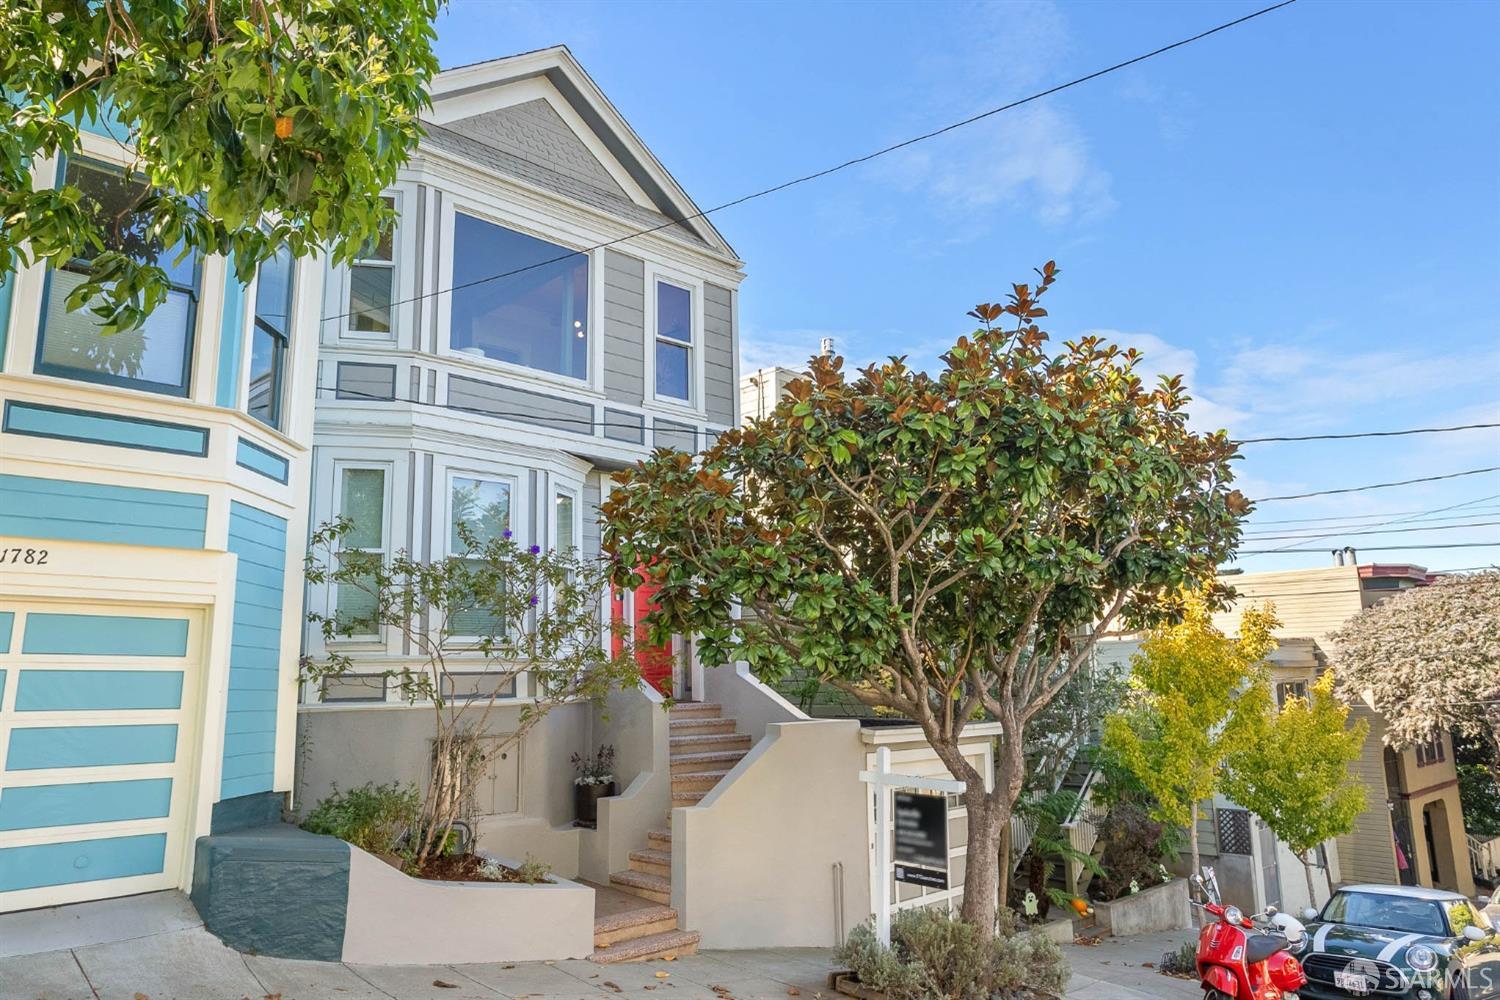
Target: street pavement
163	953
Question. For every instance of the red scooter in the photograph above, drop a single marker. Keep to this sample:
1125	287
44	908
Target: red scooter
1245	958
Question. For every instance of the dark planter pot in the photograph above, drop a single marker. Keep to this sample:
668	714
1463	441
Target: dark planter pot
586	801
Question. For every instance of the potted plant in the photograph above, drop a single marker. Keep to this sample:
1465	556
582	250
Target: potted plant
593	779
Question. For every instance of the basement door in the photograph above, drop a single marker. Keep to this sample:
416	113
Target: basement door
98	749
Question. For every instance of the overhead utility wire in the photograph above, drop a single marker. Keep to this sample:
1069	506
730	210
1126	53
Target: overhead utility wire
1376	548
1376	531
1379	486
1353	519
1467	508
1368	434
1334	532
849	163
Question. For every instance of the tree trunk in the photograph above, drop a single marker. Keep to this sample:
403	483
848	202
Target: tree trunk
982	876
1193	843
1006	865
1328	874
1307	867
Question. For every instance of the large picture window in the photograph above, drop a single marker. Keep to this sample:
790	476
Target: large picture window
158	355
674	341
372	284
362	501
269	339
482	506
538	318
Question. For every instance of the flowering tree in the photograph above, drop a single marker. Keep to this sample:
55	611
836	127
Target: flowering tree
1428	660
946	547
497	610
1195	695
255	124
1296	776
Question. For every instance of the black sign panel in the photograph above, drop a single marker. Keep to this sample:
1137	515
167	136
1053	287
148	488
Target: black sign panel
922	831
922	876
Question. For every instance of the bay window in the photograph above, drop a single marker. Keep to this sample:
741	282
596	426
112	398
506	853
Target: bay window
156	356
269	339
362	500
537	317
674	341
372	284
482	507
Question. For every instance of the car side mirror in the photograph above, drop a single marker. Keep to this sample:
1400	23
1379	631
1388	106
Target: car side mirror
1309	914
1483	901
1474	933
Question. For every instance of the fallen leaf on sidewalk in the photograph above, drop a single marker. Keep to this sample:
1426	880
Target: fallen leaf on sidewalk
792	991
662	975
613	986
444	986
142	996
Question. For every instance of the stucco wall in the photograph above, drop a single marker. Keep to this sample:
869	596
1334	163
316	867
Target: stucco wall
746	700
635	723
752	864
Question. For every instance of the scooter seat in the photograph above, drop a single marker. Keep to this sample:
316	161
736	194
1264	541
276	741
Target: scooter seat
1259	947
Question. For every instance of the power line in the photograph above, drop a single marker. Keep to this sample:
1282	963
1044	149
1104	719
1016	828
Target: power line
1379	486
1467	505
1376	548
1330	530
867	157
1353	519
1377	531
1368	434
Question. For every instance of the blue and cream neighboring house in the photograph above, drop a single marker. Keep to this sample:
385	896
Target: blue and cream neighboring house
153	517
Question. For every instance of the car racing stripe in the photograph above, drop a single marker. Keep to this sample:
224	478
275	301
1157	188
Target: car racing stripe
1395	946
1320	937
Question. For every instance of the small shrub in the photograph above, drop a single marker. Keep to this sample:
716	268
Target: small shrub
1134	846
533	871
1182	962
932	955
373	818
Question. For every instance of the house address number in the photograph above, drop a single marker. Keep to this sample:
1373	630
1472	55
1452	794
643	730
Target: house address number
23	557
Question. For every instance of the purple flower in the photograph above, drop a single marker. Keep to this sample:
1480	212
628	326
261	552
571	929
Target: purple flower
533	600
505	533
536	549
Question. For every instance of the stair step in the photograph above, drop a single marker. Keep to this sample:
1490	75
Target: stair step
692	726
675	943
709	760
697	710
697	781
695	742
631	924
663	836
686	798
652	862
643	884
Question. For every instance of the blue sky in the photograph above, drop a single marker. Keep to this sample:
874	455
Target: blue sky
1301	215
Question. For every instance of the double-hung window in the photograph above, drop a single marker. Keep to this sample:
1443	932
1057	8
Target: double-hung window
536	316
482	507
156	356
362	499
565	531
1430	752
269	339
674	342
372	285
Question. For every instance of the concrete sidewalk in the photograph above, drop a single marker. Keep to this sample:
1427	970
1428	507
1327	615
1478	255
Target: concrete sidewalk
154	947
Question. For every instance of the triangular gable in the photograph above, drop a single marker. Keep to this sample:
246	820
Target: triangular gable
541	109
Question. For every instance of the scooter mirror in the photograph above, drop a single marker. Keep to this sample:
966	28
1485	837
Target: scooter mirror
1474	933
1310	914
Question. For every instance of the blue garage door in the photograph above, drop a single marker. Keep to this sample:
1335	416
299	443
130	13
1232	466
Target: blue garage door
97	724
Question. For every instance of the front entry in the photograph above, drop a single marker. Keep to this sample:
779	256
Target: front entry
99	731
631	608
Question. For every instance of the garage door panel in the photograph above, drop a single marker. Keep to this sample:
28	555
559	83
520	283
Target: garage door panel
50	633
37	865
41	747
98	690
29	807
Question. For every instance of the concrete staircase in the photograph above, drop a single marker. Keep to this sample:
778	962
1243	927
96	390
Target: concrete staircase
704	747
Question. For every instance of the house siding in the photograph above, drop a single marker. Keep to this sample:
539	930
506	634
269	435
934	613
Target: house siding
361	381
529	407
593	488
259	540
32	507
718	354
624	327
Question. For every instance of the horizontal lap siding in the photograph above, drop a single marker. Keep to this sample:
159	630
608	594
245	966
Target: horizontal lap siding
90	512
718	358
259	540
624	327
523	405
591	527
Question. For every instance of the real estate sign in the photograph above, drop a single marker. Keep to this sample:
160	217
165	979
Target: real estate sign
920	847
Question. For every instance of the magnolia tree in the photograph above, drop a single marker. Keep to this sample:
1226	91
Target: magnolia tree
509	615
947	547
1429	660
254	124
1196	695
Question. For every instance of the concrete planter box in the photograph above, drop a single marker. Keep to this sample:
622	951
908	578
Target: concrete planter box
1162	907
394	919
1059	930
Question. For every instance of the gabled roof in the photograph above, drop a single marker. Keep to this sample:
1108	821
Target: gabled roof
458	95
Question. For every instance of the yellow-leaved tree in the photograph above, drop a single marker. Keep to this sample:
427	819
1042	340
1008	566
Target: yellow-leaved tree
1195	696
1296	777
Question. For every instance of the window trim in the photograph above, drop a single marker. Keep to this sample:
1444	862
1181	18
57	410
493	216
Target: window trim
574	494
512	480
694	405
387	471
592	380
284	371
190	341
346	288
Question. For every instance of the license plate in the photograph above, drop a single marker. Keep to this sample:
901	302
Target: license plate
1355	982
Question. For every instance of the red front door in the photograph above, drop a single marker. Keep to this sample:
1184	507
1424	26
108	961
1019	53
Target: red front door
655	661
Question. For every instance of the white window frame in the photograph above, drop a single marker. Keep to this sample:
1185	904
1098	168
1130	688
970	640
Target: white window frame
512	479
387	469
694	405
592	382
346	285
576	495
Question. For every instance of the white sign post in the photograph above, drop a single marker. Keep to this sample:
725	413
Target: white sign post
885	782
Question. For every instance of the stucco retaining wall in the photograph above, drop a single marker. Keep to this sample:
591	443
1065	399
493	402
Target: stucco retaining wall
397	920
1158	908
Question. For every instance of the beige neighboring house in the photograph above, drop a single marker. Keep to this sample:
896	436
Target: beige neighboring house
1412	830
763	388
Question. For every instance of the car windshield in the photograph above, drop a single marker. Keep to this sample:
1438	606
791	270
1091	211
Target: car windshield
1387	912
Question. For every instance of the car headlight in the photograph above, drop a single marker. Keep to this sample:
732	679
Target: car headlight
1233	914
1421	958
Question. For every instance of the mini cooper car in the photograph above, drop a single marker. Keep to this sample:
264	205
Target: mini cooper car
1389	941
